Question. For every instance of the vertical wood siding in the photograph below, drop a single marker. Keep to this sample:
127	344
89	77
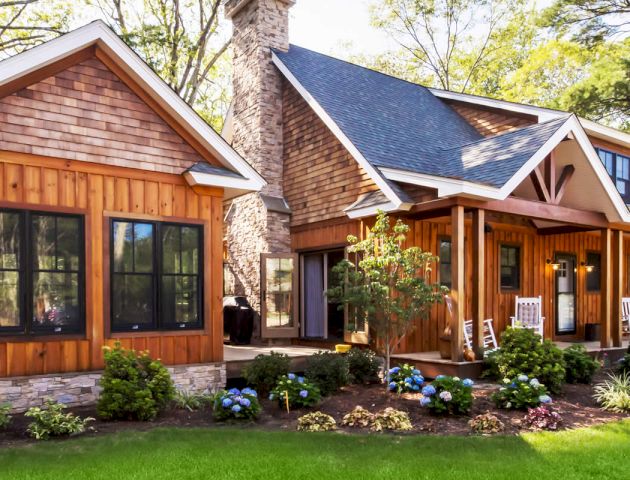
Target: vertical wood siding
28	181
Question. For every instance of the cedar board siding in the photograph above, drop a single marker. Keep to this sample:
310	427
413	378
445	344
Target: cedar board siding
537	278
86	112
320	177
488	121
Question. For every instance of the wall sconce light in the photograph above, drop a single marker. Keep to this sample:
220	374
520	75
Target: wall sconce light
588	268
554	265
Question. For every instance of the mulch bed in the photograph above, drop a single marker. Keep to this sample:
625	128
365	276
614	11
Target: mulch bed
575	405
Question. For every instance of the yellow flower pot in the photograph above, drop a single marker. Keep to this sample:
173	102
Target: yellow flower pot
342	348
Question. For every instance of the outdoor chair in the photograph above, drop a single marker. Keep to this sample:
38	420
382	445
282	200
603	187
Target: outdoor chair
489	339
528	314
625	315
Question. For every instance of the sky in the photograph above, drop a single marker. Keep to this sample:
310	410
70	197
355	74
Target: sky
328	26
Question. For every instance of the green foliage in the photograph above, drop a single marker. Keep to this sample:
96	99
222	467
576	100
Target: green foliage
186	400
327	370
388	285
316	422
265	370
391	419
135	387
363	365
447	394
580	366
5	418
236	404
522	352
358	417
405	378
520	393
485	424
51	421
300	392
614	394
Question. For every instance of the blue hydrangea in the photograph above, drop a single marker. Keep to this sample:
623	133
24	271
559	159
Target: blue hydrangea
245	402
303	393
415	371
419	379
291	376
428	390
534	382
522	378
236	408
546	399
300	379
392	385
407	380
234	391
395	370
416	388
226	402
424	401
250	392
468	382
446	396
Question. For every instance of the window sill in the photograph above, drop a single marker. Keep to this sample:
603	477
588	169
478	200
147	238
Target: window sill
52	337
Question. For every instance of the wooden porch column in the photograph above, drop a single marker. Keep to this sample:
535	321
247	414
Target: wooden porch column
478	281
457	283
617	286
606	288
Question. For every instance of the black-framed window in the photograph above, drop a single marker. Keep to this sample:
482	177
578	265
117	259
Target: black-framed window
618	167
445	261
42	280
156	275
593	277
510	257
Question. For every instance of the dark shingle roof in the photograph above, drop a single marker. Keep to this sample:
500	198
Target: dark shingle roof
401	125
204	167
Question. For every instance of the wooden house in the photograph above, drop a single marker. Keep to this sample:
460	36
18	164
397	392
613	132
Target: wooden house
516	200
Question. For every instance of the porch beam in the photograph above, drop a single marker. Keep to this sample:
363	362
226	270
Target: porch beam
478	280
606	288
457	283
550	175
617	287
539	185
561	186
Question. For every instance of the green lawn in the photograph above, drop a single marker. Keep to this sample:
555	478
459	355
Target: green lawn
602	452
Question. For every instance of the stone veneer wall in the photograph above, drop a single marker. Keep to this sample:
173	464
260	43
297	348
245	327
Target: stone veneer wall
78	389
258	26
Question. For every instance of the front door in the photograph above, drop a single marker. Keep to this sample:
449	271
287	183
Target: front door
279	293
566	305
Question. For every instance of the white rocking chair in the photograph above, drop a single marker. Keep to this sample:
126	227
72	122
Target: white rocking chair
625	315
528	314
489	339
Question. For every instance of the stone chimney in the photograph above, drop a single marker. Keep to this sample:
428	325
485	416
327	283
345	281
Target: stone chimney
259	222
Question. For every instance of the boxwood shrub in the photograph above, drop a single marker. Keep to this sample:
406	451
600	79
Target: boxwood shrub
327	370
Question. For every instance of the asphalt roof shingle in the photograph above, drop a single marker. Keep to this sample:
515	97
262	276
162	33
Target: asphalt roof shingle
401	125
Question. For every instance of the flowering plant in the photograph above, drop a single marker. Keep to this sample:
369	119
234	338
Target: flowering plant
235	403
448	395
405	378
542	418
520	393
301	392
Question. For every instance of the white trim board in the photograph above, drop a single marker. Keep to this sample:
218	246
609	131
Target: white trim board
447	187
98	33
374	174
543	114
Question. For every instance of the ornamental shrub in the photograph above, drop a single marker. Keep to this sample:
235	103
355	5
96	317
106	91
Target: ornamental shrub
359	417
542	418
327	370
135	387
5	418
301	392
405	378
614	394
236	404
363	365
580	366
191	401
522	352
520	393
316	422
51	421
486	423
265	370
448	395
391	419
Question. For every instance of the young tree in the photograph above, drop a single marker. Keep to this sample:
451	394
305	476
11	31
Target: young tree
388	286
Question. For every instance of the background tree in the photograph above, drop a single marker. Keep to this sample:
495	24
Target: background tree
388	286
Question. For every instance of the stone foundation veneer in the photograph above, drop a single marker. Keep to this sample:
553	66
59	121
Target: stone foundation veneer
79	389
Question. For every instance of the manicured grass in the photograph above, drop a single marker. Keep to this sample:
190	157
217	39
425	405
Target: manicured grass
602	452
